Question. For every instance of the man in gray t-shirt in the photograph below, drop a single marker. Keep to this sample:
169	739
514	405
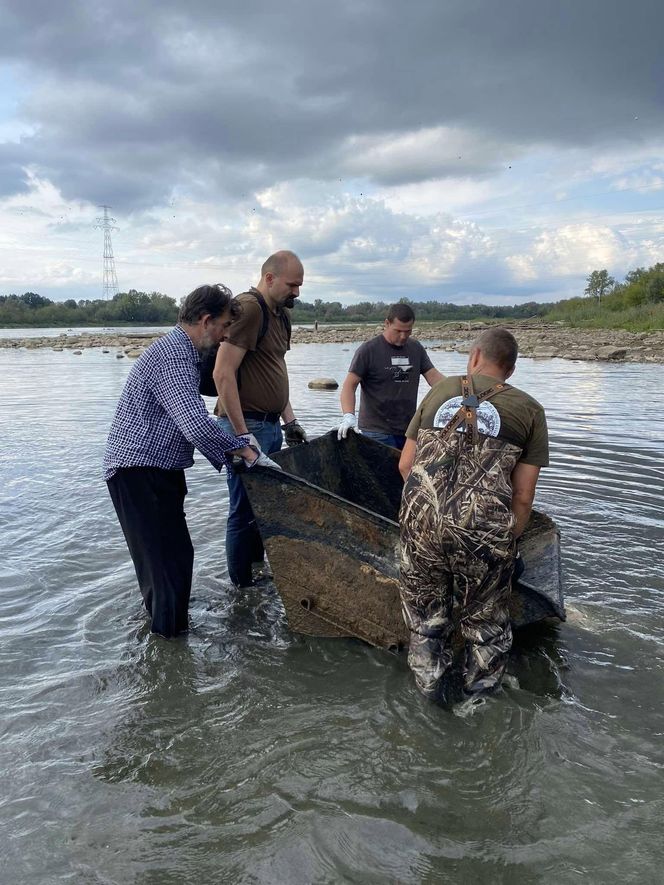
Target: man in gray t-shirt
387	368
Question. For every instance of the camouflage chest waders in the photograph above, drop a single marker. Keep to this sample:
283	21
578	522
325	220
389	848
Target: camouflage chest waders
457	530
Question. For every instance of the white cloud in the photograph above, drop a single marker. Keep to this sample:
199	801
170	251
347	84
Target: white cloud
354	247
423	154
449	195
574	250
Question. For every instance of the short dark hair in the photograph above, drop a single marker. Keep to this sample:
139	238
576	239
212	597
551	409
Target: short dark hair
499	347
402	312
212	300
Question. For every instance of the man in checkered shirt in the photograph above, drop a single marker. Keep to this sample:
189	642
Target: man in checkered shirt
159	420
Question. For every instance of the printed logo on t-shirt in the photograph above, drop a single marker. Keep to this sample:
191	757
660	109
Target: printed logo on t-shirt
400	368
488	419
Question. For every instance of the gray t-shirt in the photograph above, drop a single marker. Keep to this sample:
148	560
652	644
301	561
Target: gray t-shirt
390	377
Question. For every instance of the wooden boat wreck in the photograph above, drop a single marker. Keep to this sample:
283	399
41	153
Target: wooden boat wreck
330	530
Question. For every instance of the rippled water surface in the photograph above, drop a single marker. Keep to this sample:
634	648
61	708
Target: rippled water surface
248	754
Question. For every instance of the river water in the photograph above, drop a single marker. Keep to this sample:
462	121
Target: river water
248	754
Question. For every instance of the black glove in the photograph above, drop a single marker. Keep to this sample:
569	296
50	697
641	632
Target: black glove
519	567
294	434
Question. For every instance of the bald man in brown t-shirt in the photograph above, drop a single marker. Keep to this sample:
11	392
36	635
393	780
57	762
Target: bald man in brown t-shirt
251	377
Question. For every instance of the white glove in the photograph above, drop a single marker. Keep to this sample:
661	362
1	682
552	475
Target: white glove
348	422
262	461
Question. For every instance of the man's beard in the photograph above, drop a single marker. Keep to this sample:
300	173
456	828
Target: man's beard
290	301
207	345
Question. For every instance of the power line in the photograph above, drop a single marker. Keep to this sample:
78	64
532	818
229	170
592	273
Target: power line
110	284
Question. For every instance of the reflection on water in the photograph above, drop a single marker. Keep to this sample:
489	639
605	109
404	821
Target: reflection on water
58	331
246	753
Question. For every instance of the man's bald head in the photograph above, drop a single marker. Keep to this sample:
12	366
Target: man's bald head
278	263
281	277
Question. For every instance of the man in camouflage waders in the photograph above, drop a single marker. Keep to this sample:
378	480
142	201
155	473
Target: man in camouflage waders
472	458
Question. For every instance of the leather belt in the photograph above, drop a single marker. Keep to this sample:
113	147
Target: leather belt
272	417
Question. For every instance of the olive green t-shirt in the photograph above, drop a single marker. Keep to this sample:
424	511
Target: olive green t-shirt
510	414
262	377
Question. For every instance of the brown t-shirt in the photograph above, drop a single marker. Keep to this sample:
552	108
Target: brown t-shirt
511	415
262	378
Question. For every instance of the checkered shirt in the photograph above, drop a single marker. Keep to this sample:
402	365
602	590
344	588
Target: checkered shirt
161	417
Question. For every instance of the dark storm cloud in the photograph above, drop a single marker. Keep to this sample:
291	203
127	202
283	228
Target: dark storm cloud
132	99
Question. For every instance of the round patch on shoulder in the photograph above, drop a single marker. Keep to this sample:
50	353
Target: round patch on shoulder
488	419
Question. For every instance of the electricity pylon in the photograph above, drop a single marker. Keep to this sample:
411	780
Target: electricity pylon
110	279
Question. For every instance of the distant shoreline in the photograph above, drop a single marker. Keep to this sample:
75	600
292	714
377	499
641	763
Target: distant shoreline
536	340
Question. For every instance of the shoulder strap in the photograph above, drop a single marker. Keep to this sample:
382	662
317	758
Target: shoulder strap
285	318
467	411
264	311
469	404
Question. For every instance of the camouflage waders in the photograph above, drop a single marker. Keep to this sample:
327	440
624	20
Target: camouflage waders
457	545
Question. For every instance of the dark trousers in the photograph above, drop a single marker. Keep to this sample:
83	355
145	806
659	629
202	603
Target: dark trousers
149	503
243	540
396	440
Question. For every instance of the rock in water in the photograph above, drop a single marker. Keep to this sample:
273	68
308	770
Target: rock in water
323	384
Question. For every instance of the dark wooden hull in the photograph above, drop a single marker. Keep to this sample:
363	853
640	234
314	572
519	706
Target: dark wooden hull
329	525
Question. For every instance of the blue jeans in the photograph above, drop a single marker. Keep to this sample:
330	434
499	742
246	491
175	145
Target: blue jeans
397	441
243	540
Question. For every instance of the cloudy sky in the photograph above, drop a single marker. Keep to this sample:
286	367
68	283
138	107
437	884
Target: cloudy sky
463	150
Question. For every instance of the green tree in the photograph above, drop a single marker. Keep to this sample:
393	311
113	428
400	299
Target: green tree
34	301
635	276
599	283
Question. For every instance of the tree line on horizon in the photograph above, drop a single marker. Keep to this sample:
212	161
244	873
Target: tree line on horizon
638	302
125	308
